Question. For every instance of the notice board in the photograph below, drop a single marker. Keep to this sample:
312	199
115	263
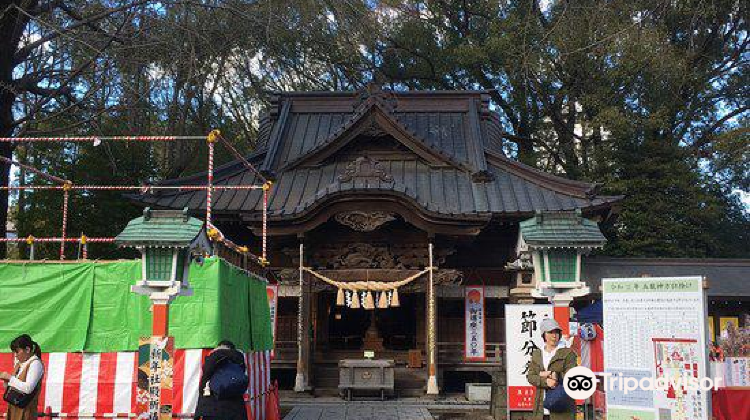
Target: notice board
656	328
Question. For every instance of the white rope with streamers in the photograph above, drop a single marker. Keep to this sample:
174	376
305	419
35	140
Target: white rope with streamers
375	286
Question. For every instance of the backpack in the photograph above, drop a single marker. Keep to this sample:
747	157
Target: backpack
556	400
229	381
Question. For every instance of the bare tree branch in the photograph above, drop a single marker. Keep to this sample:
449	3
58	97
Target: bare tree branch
24	52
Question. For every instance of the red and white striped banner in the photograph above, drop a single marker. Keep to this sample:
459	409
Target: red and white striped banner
103	385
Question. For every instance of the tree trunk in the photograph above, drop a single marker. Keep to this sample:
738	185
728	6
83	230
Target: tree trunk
526	152
12	24
6	150
566	136
7	98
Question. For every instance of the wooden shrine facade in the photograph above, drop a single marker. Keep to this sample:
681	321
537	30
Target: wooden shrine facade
378	186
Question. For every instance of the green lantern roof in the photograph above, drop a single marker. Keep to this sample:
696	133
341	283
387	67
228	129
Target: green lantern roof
561	230
174	228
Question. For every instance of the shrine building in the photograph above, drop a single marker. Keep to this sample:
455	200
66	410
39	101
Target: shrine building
384	207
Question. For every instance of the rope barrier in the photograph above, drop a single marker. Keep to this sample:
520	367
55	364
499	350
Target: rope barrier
96	139
212	136
142	188
31	239
67	186
66	196
266	187
217	236
239	156
32	169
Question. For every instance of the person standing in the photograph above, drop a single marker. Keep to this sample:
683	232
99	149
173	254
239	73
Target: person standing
27	377
548	368
213	407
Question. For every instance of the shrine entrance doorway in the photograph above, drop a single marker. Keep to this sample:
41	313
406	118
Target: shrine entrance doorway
390	329
395	333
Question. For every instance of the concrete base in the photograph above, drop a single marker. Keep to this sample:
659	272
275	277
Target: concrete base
478	392
300	383
432	386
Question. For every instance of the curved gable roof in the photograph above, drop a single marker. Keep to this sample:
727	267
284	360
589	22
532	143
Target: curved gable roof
373	115
457	168
445	123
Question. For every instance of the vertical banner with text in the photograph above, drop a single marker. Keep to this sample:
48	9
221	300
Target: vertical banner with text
155	371
475	331
272	290
522	336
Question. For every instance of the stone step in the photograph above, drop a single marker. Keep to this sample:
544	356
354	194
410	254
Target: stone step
398	383
401	377
329	391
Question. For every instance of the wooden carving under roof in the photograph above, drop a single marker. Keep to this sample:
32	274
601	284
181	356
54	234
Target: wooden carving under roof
364	221
365	168
361	255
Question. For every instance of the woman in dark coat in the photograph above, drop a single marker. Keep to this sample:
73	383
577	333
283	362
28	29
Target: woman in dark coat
209	407
548	368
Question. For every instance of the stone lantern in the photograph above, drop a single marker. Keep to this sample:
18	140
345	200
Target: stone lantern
168	241
556	243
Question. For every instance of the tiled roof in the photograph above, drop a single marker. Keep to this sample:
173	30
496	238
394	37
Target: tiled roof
451	160
561	229
161	228
445	191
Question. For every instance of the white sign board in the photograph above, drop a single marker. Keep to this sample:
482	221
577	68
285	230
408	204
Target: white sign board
474	324
655	329
522	336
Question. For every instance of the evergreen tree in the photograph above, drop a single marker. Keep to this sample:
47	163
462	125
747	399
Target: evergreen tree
650	99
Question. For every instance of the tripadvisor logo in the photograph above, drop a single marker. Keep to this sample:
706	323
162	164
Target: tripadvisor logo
580	383
684	382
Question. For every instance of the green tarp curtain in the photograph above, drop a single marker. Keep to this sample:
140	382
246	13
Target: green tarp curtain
52	302
88	306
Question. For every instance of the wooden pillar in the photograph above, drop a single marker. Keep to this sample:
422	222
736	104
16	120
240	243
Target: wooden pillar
562	316
561	310
300	381
160	319
432	386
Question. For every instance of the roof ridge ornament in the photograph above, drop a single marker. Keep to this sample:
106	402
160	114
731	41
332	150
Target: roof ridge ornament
374	95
